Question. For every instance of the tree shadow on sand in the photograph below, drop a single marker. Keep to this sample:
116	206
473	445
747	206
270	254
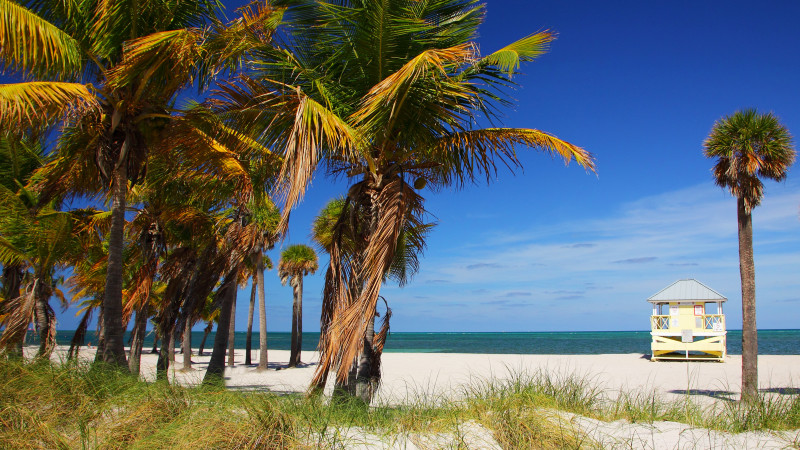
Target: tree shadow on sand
727	396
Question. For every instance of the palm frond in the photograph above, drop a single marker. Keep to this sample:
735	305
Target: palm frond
508	58
159	63
35	46
37	102
468	153
315	128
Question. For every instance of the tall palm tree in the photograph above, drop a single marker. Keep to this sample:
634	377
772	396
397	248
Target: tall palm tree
388	94
749	146
296	261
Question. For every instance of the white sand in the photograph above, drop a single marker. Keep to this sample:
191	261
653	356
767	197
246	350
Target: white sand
409	377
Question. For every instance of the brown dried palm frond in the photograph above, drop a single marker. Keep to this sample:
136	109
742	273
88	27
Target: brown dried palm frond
348	324
17	314
379	341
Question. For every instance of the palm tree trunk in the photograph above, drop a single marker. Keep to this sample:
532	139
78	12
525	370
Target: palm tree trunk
749	330
249	339
44	319
187	344
79	338
101	335
12	283
114	346
206	332
137	338
232	333
297	320
364	388
171	349
262	314
216	366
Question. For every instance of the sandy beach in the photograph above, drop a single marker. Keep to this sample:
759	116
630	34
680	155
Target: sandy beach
408	377
434	377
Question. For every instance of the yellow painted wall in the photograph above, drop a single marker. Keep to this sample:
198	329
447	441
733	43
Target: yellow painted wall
686	318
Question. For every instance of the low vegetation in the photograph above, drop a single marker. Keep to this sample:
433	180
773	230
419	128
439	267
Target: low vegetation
44	405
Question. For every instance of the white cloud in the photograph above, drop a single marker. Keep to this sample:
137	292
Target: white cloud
596	273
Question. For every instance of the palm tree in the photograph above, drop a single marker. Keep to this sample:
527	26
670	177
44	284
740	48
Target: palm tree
260	263
336	222
296	261
385	93
42	240
109	75
749	146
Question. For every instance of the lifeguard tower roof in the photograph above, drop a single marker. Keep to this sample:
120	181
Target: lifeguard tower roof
688	291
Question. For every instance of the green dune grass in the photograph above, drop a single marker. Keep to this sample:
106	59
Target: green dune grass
44	405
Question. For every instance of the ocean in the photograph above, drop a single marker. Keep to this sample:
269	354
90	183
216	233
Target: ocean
770	342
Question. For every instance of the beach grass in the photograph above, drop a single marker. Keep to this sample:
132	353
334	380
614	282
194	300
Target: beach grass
51	405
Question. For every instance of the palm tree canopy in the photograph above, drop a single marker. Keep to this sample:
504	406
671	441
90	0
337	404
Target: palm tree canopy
749	145
298	259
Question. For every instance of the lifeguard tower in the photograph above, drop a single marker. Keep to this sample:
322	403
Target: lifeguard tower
681	327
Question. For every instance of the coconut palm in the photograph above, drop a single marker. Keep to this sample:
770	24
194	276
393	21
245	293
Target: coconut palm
296	262
110	74
388	94
42	240
337	222
749	146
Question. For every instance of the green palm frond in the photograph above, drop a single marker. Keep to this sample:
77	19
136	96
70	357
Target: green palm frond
508	58
35	46
159	63
11	255
33	103
428	73
749	145
297	260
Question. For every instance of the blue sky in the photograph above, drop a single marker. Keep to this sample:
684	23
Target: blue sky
553	248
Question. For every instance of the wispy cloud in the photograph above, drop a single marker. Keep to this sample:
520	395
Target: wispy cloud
484	266
517	294
643	260
613	263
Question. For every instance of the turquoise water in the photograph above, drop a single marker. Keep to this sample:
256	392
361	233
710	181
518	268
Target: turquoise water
770	342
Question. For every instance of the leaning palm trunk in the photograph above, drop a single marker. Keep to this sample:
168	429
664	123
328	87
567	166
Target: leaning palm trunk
248	345
137	339
216	366
749	330
79	338
113	350
206	332
262	313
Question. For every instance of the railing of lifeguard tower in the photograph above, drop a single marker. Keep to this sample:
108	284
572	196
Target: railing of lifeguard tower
715	322
659	322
